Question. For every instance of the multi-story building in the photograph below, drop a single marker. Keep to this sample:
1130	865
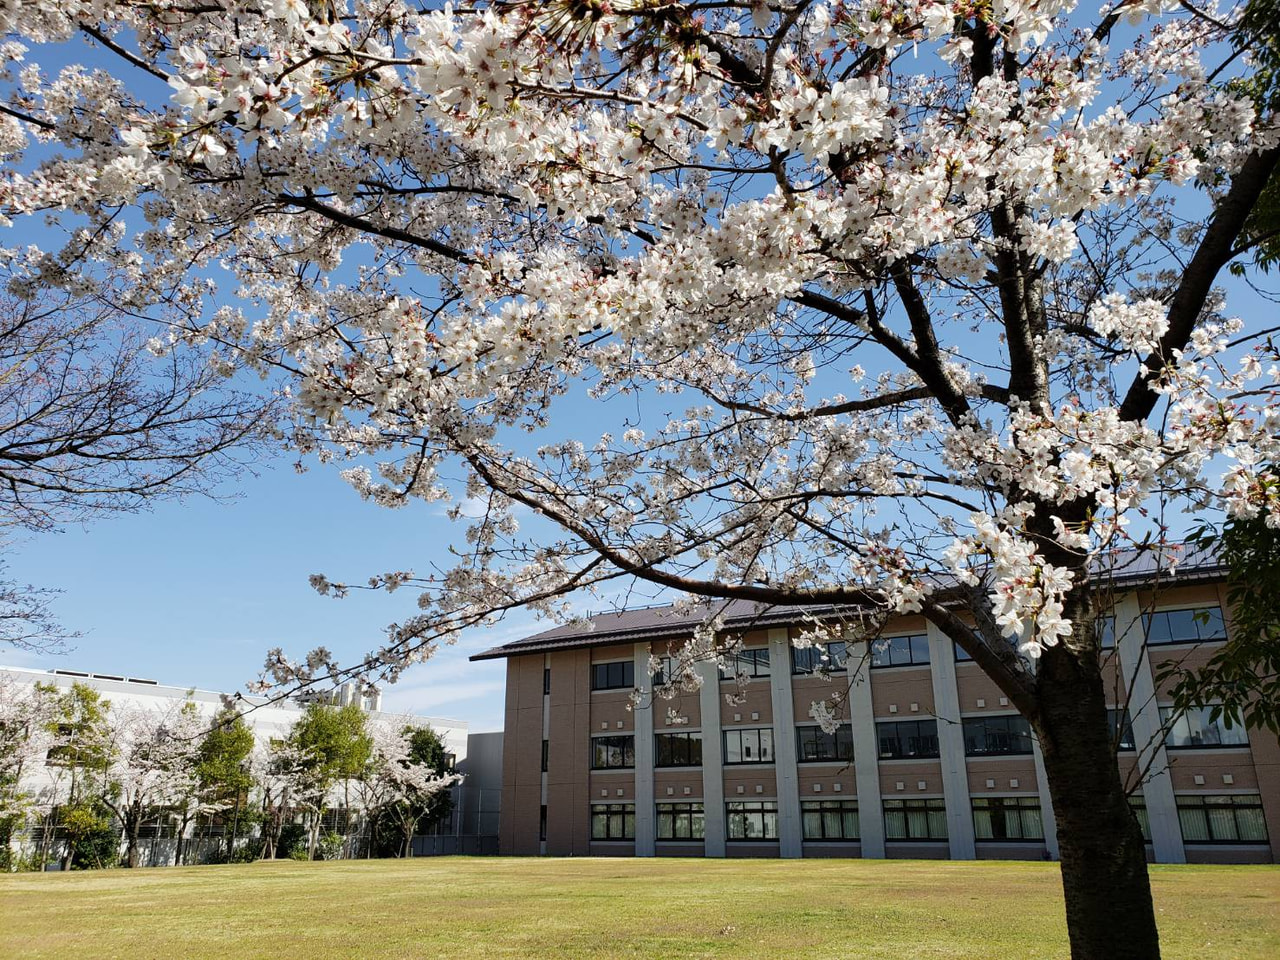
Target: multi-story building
930	759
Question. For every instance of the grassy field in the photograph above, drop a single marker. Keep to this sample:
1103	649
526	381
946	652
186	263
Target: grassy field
490	907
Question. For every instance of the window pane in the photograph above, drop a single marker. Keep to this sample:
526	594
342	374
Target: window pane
920	649
851	831
698	820
1251	825
1194	825
812	823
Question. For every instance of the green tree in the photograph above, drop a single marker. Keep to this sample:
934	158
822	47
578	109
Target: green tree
80	756
333	746
1241	681
223	768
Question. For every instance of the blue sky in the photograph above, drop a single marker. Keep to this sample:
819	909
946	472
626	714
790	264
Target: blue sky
196	592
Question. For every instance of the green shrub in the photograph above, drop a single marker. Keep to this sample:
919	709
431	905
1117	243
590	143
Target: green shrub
293	836
331	845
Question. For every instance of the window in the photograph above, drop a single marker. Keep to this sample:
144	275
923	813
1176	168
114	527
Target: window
816	744
1121	729
904	739
829	819
546	681
1194	729
754	663
996	736
1138	804
613	676
749	746
545	745
751	820
916	819
960	654
1226	819
1105	628
681	821
1193	625
542	822
900	651
613	821
1007	818
819	658
677	750
608	753
667	672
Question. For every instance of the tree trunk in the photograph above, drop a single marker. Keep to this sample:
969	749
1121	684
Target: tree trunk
1104	865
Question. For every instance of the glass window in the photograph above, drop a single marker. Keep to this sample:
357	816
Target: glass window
1193	729
681	821
900	651
545	755
815	744
829	819
677	749
542	822
996	736
1007	818
613	676
903	739
1138	804
667	672
751	663
613	821
751	820
1105	628
959	651
1193	625
915	819
753	745
819	658
608	753
546	680
1121	728
1222	819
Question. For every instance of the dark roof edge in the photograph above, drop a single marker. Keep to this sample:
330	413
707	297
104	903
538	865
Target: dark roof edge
1185	574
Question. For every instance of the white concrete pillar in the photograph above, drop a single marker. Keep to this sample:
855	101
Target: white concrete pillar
955	772
1046	801
712	760
866	751
1144	712
790	837
646	822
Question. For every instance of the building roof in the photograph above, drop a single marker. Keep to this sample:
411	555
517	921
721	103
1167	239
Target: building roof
1126	568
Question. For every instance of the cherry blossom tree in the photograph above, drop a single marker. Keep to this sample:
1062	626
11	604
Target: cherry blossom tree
895	306
398	785
152	765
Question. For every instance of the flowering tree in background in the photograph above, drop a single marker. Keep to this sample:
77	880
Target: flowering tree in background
151	767
403	781
902	305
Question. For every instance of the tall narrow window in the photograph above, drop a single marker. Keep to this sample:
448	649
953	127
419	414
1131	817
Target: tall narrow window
542	822
545	746
546	681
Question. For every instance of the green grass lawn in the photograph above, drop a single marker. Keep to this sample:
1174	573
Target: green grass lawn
491	907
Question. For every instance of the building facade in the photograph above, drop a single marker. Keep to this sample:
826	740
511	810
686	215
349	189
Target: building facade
930	760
